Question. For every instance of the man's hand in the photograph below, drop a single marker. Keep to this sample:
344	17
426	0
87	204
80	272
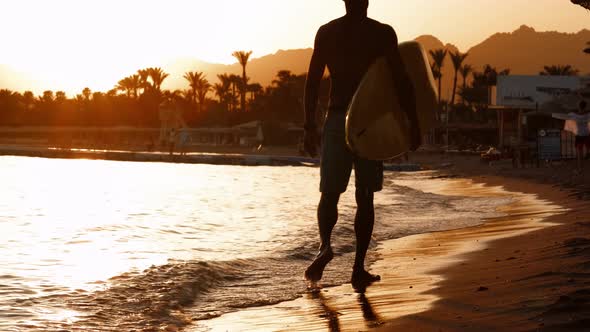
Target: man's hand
311	141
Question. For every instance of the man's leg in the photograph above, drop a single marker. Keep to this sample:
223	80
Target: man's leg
327	218
363	228
335	169
369	179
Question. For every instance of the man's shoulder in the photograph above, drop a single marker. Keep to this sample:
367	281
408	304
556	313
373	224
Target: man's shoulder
332	25
337	24
382	27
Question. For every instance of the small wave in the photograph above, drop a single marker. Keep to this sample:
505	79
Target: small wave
157	295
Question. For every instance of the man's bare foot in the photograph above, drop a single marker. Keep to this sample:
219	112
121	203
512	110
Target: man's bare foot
363	279
316	269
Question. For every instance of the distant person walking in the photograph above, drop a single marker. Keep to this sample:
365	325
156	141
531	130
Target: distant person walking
172	140
578	124
347	47
183	140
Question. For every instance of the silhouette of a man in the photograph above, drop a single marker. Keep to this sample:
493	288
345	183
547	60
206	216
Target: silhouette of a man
347	47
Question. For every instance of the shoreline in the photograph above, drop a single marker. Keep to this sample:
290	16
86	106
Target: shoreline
537	281
273	158
408	288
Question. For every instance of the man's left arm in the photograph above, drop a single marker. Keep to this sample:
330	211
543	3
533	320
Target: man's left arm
405	88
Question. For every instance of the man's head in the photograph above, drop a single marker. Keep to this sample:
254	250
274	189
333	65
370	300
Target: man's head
357	8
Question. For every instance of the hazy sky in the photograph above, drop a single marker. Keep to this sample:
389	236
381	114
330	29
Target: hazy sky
67	42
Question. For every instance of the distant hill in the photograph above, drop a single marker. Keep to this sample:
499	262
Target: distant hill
523	51
261	70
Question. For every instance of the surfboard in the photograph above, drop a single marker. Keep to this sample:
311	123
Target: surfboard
377	128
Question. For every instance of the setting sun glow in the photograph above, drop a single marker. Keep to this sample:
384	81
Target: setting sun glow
68	45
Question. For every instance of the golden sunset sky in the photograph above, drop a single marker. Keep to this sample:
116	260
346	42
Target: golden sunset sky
73	43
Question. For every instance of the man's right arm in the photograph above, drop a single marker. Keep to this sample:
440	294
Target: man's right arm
312	87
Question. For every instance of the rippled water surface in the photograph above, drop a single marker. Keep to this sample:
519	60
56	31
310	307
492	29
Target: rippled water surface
107	246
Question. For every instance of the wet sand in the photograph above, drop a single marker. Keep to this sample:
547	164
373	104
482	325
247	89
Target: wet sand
533	281
519	272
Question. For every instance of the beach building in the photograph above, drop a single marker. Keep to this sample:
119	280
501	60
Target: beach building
525	105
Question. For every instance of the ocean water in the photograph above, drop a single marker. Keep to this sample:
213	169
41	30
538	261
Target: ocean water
92	245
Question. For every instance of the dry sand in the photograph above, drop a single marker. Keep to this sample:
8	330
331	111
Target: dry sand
526	271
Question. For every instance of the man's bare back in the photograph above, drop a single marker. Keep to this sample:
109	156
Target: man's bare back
348	46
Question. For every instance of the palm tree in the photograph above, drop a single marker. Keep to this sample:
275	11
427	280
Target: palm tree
135	84
490	75
284	78
111	93
465	71
222	89
202	88
86	93
126	85
157	76
143	79
457	58
29	99
437	75
559	70
193	78
60	96
255	90
47	96
243	57
438	58
235	81
220	92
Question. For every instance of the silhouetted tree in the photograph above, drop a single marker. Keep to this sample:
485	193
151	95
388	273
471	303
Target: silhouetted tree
203	87
559	70
478	93
255	89
60	97
465	71
143	80
243	57
457	59
86	93
130	85
157	75
235	81
223	90
47	96
28	100
193	78
438	61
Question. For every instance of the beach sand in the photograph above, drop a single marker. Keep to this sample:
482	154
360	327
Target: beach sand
525	271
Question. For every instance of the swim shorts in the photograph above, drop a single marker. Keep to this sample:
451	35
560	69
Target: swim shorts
337	161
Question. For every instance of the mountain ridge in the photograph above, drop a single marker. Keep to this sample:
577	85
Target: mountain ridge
530	50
